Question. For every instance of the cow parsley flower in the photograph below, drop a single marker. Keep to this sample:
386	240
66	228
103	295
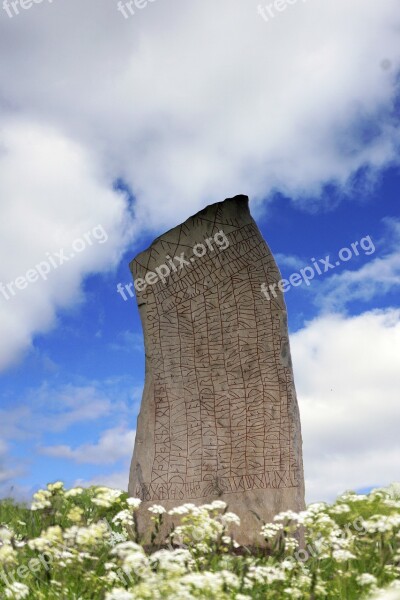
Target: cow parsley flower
157	509
74	492
270	530
218	505
182	510
133	503
289	515
342	555
17	591
117	538
8	556
119	594
230	518
58	486
124	517
366	579
106	497
75	514
41	500
172	562
340	509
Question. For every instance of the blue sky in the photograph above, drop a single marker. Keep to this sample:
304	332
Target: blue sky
166	122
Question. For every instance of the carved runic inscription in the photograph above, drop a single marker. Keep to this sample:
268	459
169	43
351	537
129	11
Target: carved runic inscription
219	413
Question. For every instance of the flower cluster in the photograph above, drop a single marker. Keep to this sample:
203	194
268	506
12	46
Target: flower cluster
84	543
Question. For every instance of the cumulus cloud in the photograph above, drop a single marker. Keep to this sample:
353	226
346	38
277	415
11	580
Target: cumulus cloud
62	409
113	445
350	411
57	408
60	220
188	103
192	102
375	279
333	290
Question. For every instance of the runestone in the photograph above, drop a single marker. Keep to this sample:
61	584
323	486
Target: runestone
219	418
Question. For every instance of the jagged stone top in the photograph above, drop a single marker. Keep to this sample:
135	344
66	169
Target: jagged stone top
226	215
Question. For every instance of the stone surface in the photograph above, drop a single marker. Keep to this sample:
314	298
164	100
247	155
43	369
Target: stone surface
219	417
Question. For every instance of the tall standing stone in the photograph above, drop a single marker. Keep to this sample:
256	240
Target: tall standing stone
219	416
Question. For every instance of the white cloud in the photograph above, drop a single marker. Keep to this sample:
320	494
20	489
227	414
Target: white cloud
192	102
375	279
51	196
56	409
113	445
347	378
290	261
189	103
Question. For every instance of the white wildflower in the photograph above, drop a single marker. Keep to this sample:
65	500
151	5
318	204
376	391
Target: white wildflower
340	509
106	497
119	594
218	505
182	510
133	502
293	592
17	591
261	574
122	550
289	515
6	535
288	564
41	500
342	555
124	517
394	491
8	556
291	544
157	509
230	517
58	486
117	538
366	579
175	561
75	514
270	530
74	492
52	537
352	497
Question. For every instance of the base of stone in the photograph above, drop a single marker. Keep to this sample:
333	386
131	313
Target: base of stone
255	508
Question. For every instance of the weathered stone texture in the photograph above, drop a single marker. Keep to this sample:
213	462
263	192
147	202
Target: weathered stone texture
219	416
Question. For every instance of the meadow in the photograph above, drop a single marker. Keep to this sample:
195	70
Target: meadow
81	544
